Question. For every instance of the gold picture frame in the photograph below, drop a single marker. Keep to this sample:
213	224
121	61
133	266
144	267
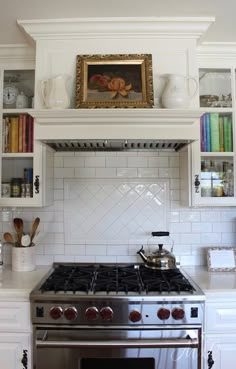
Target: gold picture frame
114	81
221	259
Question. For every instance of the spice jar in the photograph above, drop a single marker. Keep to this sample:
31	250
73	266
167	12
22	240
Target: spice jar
16	187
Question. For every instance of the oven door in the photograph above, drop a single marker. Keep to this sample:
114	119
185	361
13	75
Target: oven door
115	348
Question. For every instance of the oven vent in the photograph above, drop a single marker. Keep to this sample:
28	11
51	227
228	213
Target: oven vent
116	145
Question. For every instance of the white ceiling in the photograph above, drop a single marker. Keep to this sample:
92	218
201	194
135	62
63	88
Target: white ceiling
224	29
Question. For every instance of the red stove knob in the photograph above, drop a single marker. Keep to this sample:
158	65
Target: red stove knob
163	313
178	313
106	313
56	312
135	316
71	313
91	313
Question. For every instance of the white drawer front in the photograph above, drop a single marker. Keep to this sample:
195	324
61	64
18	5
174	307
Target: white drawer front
221	316
15	316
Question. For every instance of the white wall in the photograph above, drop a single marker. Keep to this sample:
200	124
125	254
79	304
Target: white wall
193	229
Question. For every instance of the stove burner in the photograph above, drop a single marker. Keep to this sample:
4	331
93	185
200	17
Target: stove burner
115	279
164	280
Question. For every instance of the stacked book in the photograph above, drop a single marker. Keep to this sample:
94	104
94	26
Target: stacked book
216	132
17	133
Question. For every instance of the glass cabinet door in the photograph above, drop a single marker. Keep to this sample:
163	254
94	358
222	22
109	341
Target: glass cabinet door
214	165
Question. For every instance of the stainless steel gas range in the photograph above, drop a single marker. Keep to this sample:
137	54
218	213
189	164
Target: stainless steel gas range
102	316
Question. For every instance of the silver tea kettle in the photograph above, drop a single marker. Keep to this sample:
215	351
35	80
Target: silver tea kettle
160	259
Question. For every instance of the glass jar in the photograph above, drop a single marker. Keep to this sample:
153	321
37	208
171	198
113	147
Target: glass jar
16	187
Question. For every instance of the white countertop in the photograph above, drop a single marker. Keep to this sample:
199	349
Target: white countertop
213	284
18	285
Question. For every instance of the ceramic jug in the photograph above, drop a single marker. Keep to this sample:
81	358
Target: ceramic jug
54	92
176	93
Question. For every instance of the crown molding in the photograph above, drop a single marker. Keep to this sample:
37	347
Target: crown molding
122	27
19	52
217	50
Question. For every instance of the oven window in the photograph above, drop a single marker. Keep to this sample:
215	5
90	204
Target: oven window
139	363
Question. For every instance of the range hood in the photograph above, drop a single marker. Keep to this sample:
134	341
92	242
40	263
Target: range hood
116	129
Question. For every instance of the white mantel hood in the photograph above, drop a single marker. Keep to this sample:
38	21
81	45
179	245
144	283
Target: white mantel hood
107	129
172	41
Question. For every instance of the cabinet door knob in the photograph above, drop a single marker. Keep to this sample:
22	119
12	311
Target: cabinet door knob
36	184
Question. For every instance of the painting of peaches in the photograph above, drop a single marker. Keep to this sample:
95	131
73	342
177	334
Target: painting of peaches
113	81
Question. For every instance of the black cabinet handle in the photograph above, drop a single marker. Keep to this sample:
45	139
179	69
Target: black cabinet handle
36	184
24	360
210	360
197	183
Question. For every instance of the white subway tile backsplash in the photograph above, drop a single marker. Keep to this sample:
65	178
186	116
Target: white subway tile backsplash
127	172
64	173
110	222
95	162
85	172
148	172
105	172
116	162
137	162
158	162
75	162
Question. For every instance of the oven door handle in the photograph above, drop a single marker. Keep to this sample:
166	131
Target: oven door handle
178	342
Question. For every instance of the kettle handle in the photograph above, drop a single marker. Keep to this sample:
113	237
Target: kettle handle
196	86
160	234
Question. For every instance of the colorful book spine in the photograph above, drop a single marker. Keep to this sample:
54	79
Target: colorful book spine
228	137
202	130
20	135
215	132
208	133
221	132
14	134
24	144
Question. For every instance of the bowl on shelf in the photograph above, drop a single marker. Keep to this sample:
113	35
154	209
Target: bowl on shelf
208	100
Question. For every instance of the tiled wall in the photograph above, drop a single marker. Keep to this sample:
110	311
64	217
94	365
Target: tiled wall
192	229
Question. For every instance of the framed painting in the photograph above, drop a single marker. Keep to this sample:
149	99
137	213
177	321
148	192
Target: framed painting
114	81
221	259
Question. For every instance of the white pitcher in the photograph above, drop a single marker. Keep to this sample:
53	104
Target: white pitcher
176	93
54	92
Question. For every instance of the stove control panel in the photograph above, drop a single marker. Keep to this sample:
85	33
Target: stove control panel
118	312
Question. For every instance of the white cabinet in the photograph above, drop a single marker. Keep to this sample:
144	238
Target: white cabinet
26	173
213	158
15	335
220	338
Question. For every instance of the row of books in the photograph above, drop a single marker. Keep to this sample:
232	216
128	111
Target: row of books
17	134
216	132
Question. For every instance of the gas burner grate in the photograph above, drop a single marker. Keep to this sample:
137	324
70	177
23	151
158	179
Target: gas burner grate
115	279
165	281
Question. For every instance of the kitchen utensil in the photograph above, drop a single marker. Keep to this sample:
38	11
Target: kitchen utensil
8	237
25	240
161	258
18	224
34	228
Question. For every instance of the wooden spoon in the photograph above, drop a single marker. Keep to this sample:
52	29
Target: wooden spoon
8	237
18	224
34	229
